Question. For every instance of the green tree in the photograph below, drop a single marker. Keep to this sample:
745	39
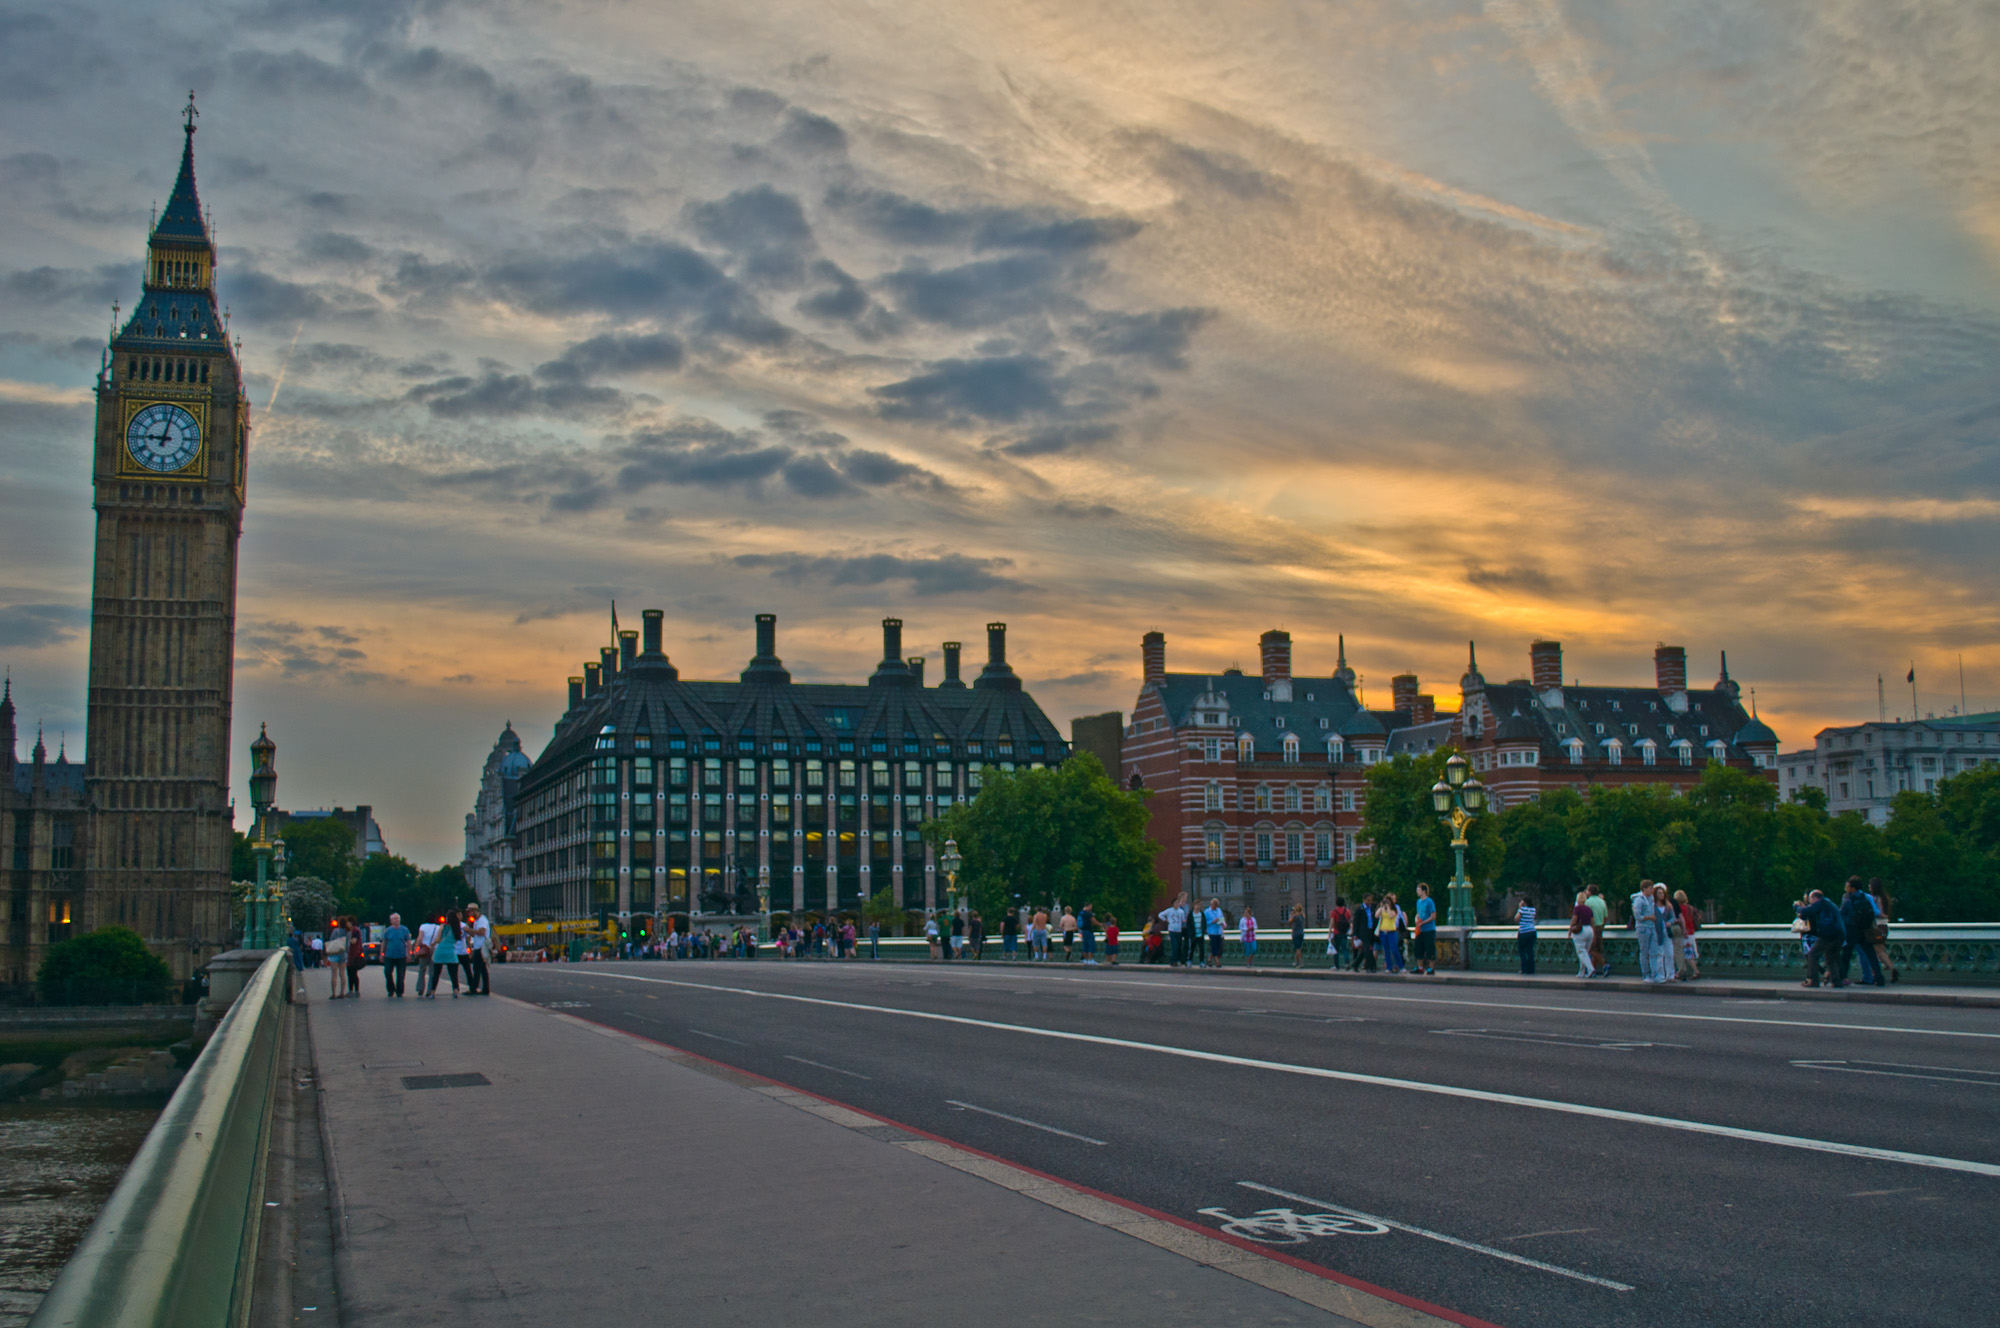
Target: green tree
1409	842
1947	850
321	847
242	862
109	966
389	884
1068	833
882	909
1541	853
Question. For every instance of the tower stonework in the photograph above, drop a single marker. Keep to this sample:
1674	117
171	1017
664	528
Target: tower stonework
168	489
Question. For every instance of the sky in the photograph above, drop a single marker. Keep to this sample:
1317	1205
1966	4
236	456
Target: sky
1421	323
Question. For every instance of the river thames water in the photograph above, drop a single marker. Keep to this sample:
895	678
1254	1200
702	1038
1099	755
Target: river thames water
58	1164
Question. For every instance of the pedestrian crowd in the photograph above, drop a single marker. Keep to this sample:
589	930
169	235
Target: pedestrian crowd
458	943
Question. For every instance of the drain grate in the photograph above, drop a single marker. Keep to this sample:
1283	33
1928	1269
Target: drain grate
413	1082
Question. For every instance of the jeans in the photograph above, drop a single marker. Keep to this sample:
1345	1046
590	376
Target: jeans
1525	943
1581	940
1871	972
1652	955
1007	946
478	982
392	975
1392	952
1826	957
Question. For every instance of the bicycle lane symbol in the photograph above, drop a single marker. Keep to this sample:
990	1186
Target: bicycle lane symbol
1288	1226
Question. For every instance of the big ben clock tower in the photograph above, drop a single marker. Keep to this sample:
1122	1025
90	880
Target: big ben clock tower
168	485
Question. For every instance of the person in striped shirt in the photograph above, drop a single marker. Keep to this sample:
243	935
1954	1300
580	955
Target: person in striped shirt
1524	918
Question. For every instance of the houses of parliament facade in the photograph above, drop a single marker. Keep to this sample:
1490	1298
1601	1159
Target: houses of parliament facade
138	833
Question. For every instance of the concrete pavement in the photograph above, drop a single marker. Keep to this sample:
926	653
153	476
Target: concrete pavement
494	1162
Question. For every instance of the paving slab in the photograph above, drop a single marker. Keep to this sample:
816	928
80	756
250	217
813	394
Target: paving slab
494	1163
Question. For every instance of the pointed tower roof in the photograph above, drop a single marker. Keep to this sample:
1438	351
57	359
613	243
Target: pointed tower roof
1342	673
1473	680
182	219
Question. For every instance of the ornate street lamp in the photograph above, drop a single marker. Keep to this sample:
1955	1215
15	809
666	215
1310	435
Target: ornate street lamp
262	910
950	862
764	897
1457	798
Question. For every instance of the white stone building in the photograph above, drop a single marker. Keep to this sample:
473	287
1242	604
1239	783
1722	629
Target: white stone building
489	827
1862	767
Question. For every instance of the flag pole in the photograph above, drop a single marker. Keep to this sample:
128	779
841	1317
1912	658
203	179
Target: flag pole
1961	684
1915	713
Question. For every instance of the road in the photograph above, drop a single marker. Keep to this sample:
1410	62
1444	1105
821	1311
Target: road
1469	1148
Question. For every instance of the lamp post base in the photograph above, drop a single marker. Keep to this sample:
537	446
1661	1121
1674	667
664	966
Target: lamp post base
1460	912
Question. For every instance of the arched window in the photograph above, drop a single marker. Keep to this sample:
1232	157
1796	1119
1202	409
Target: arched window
1246	748
1263	797
1335	749
607	738
1291	749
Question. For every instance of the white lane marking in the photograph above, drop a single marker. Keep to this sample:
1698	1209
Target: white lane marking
1427	1234
1022	1120
1267	989
1903	1072
718	1037
1293	1016
822	1065
1552	1039
1352	1077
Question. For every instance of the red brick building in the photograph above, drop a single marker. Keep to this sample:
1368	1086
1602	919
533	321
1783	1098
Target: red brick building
1534	733
1258	780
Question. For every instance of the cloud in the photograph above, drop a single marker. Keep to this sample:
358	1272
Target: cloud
811	135
1000	389
980	294
614	353
945	574
494	394
765	228
1055	438
903	220
1160	338
31	626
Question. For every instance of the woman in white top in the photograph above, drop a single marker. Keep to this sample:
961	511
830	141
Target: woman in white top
336	956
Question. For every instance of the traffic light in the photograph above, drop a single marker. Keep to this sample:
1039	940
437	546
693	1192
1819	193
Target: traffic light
645	926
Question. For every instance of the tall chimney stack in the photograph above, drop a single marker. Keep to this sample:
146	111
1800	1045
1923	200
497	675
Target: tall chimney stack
593	680
1403	692
1424	708
607	662
628	649
997	673
767	635
1670	668
892	671
1545	660
575	692
916	663
1275	648
1153	656
951	653
653	633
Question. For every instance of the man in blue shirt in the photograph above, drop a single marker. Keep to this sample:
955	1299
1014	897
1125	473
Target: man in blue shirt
1212	921
1425	958
395	954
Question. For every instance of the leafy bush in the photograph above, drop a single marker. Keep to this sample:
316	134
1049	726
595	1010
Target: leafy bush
109	966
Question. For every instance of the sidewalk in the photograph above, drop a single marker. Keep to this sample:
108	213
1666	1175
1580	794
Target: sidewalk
594	1178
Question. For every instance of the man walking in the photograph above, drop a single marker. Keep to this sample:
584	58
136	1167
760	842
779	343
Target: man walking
478	937
1173	916
1857	916
1364	935
1645	916
1582	932
395	954
1600	909
1424	957
1086	923
1829	935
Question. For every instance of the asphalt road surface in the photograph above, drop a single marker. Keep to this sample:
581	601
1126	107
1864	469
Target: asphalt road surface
1465	1147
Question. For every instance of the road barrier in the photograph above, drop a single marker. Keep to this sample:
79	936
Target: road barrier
1964	953
176	1244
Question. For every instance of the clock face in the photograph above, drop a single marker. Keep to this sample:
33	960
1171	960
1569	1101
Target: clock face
163	438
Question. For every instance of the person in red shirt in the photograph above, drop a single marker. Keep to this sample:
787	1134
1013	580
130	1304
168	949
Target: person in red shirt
1111	939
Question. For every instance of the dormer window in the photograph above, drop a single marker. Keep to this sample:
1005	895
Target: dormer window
1599	728
1326	723
1279	722
1291	749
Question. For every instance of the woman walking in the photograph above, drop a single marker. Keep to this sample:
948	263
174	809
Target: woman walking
1247	930
335	950
357	957
1299	937
1582	929
1386	918
444	953
1524	938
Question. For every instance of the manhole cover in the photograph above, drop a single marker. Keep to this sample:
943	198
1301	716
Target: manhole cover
414	1082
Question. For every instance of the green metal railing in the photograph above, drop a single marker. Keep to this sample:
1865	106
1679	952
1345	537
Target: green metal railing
176	1244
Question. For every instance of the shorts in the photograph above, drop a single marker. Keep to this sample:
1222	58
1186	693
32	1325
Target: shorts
1427	945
